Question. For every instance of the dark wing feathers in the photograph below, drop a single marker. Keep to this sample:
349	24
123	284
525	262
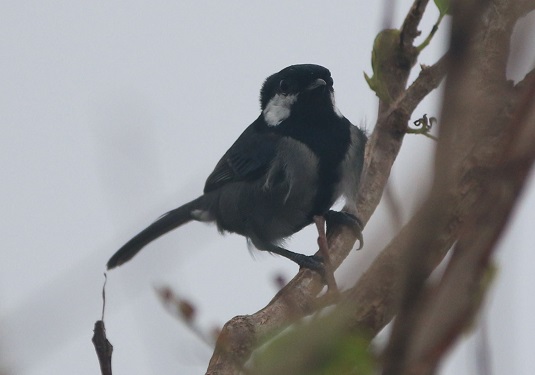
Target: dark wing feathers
249	157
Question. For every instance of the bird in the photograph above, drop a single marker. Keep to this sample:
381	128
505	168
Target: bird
289	166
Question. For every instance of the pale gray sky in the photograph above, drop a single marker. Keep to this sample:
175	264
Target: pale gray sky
113	112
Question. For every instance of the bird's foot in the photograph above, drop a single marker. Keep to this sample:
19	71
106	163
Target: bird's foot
312	262
347	219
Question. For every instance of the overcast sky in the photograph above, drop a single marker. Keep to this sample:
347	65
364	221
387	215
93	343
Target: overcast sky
114	112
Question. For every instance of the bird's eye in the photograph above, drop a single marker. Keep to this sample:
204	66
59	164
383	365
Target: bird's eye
284	86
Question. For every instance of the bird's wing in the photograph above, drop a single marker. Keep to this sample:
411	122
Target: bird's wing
247	159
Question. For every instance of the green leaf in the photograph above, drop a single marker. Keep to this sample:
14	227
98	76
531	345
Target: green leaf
443	6
386	44
321	346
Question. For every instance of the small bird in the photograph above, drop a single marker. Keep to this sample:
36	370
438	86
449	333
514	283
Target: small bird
288	167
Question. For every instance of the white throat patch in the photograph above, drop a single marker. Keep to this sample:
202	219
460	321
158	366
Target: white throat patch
278	109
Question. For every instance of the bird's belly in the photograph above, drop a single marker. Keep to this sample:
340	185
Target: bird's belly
270	214
282	201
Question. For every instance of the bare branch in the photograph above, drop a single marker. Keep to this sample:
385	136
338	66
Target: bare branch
409	30
242	334
523	7
470	133
526	81
450	304
103	347
387	137
428	80
473	130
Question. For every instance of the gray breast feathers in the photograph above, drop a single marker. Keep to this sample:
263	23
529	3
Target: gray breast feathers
351	168
295	169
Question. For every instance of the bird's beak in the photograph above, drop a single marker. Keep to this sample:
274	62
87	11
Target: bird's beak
317	83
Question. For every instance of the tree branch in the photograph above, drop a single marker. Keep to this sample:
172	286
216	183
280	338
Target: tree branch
242	334
449	306
386	139
409	30
473	131
428	80
471	137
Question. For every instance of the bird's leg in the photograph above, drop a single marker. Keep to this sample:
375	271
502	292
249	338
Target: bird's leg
324	250
311	262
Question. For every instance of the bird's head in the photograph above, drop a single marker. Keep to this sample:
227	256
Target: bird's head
297	88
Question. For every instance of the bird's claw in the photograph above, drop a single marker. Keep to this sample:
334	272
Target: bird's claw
347	219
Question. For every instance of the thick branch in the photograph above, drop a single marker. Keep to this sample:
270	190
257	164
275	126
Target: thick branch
473	131
450	305
523	7
298	299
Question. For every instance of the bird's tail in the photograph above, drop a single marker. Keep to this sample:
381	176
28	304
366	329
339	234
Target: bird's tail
165	223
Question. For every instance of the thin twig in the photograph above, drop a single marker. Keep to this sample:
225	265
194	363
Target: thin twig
409	30
103	347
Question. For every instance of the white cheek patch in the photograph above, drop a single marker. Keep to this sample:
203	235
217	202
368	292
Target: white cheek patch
335	108
278	109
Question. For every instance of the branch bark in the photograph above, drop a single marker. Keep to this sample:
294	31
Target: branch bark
479	108
242	334
474	134
449	306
